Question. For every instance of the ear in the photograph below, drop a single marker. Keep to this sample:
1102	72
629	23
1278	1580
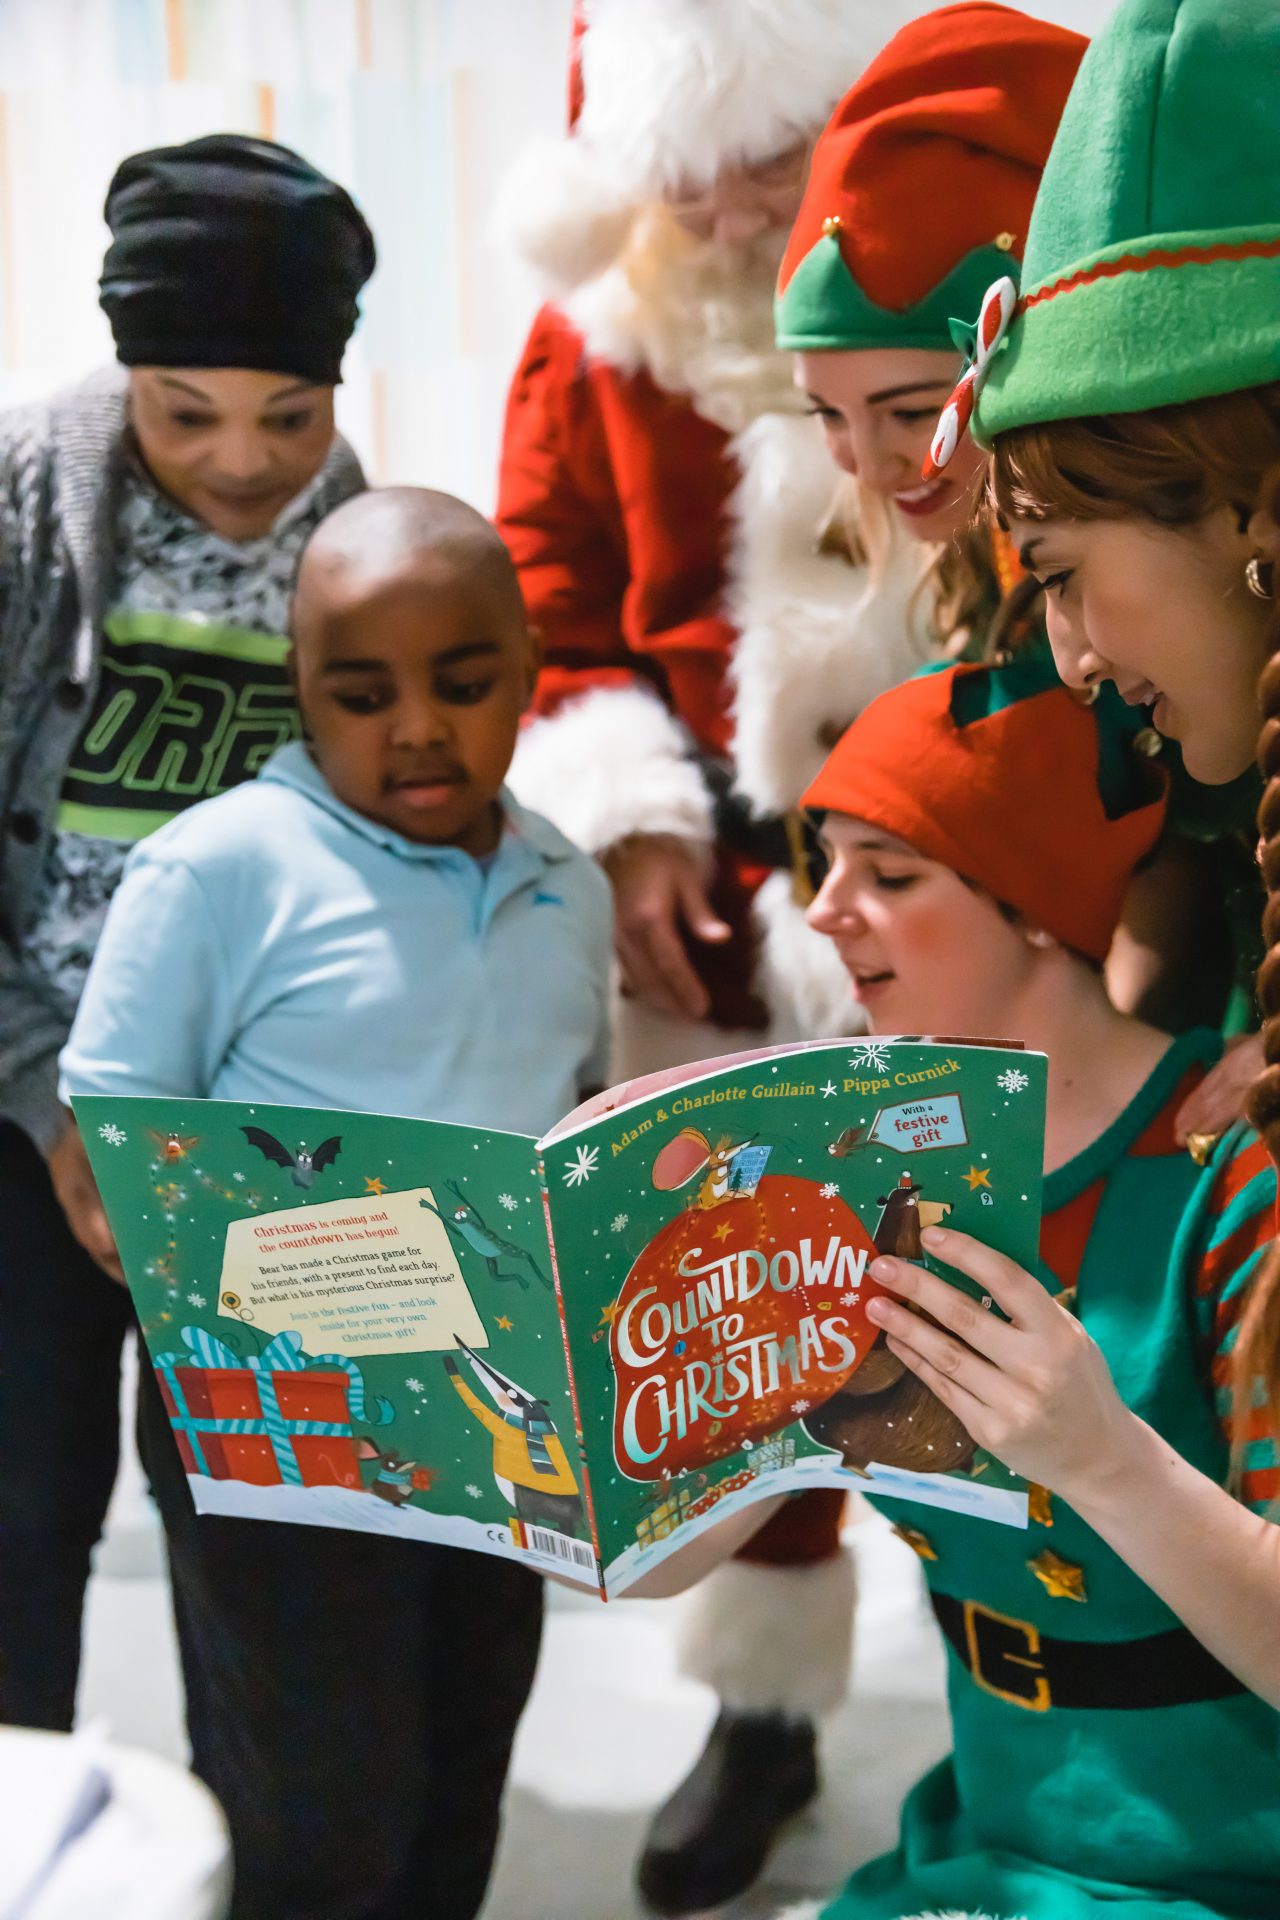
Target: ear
365	1449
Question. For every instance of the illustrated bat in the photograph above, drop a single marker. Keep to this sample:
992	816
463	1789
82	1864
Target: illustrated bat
303	1166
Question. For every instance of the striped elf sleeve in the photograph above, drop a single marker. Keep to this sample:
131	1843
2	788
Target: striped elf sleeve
1237	1229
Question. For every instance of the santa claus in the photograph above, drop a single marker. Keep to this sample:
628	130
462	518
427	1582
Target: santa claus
712	621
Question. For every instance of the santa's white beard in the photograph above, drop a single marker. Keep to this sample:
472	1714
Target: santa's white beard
697	315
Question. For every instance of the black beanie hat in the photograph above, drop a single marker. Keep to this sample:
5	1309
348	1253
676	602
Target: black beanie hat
232	252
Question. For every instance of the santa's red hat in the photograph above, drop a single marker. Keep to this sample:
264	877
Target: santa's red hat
1003	775
666	93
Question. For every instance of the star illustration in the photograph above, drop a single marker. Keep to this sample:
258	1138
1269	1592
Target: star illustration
723	1231
1061	1579
609	1314
828	1090
978	1177
374	1184
503	1322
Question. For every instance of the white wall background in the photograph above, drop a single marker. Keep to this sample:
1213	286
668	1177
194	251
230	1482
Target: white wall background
418	106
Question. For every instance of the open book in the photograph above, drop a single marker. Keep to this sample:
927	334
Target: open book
578	1351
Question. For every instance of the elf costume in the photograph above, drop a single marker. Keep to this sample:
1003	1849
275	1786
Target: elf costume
1104	1762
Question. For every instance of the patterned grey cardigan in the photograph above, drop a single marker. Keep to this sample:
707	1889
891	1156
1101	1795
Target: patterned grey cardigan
60	466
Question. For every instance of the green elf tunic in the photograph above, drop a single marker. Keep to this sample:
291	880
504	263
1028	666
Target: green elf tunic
1104	1762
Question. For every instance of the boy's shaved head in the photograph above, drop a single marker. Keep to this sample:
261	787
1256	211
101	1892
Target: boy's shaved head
413	662
383	534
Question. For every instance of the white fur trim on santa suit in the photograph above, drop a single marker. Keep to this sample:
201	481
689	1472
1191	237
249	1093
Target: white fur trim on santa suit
614	763
819	638
773	1639
799	974
673	91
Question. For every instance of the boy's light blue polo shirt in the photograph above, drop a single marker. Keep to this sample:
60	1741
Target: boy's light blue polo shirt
272	945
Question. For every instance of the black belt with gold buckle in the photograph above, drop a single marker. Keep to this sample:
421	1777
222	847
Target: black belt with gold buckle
1016	1662
783	841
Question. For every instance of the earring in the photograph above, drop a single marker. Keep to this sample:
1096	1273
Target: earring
1260	589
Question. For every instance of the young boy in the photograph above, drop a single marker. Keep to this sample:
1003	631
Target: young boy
374	923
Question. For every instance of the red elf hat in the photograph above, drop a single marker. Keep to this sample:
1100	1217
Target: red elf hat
920	188
1007	778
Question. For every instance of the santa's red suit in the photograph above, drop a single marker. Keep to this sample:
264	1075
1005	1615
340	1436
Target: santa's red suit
710	628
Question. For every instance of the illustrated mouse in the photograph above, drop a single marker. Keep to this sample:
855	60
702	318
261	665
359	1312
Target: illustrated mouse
394	1479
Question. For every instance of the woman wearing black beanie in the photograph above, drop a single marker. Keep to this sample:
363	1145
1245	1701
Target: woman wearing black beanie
150	524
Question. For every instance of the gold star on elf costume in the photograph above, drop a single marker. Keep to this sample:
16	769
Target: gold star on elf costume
1039	1508
918	1542
1060	1578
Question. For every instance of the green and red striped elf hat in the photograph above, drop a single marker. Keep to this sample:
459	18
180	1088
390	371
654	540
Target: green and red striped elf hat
1152	267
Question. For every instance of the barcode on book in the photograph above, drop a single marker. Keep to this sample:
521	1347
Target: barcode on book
559	1546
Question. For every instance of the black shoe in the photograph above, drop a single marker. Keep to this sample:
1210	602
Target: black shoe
709	1841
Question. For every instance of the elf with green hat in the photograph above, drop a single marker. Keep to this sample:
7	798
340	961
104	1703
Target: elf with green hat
1133	405
919	195
918	206
1108	1757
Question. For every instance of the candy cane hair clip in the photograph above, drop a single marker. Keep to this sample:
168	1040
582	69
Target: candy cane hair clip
998	308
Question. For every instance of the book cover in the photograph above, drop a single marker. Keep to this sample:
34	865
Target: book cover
579	1353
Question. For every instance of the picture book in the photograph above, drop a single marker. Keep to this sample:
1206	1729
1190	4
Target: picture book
581	1351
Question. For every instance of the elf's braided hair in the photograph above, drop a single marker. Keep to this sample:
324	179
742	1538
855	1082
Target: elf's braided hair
1258	1341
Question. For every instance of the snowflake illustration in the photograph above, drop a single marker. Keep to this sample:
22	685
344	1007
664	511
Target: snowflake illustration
828	1090
237	1176
473	1492
113	1135
415	1386
830	1191
799	1406
1013	1080
619	1221
872	1056
195	1299
509	1201
850	1299
747	1445
583	1166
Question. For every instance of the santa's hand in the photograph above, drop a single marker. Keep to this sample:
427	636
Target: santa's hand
1218	1101
657	890
1033	1389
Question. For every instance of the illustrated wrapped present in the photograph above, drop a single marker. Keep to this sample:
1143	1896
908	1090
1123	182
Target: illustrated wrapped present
664	1516
276	1418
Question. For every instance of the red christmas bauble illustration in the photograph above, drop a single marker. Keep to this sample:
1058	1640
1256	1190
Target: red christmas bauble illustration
737	1319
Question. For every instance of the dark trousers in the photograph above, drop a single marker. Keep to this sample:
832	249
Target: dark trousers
351	1701
62	1325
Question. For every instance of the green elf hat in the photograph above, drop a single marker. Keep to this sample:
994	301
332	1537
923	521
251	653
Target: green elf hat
1152	270
921	186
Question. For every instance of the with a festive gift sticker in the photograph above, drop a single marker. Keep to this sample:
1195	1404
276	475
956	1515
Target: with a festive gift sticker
578	1352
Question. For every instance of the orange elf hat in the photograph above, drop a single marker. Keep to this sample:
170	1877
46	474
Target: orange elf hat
1005	776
